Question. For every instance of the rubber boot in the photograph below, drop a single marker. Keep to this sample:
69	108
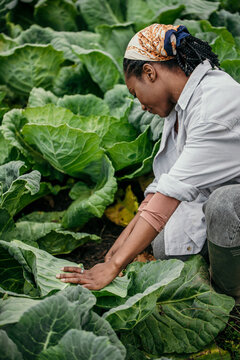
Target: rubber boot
225	268
222	213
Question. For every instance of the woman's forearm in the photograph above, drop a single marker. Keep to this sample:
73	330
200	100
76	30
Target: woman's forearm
150	222
126	232
140	237
122	237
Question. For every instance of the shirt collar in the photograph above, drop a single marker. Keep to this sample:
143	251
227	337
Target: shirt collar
192	83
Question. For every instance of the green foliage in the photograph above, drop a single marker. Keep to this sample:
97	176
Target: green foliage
65	115
160	307
63	326
26	66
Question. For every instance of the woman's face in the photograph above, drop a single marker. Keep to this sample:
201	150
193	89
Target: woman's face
152	90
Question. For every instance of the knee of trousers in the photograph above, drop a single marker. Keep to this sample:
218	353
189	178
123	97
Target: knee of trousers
222	213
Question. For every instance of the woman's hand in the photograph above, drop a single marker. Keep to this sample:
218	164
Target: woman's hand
96	278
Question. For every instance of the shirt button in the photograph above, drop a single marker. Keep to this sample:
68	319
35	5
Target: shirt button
189	248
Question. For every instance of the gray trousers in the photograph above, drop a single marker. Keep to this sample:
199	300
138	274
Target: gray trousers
222	212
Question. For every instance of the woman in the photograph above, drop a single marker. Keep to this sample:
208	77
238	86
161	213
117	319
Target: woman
177	76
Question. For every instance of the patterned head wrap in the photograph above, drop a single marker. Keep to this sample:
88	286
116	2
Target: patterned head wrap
156	42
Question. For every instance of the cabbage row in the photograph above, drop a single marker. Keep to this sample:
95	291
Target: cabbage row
68	124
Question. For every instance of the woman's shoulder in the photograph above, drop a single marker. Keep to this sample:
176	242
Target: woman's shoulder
220	95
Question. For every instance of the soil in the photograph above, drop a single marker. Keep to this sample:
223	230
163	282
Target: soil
93	253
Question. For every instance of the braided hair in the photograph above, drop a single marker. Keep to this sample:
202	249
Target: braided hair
190	54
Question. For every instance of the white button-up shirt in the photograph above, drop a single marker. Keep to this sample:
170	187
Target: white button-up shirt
204	155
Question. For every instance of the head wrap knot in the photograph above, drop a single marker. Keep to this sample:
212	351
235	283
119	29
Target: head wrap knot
156	42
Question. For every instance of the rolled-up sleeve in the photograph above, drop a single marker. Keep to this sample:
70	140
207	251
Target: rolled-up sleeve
210	157
151	188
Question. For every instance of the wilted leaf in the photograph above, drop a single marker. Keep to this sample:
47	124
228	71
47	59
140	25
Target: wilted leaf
124	210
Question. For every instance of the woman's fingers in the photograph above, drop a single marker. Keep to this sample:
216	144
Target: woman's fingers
72	269
69	275
73	280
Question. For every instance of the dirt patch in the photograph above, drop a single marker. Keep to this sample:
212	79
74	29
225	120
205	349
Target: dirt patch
93	253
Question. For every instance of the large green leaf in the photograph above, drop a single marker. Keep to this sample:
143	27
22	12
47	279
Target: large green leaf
8	348
12	308
118	288
67	149
3	106
225	50
102	67
115	38
148	281
44	324
227	19
11	274
92	202
61	15
6	43
42	216
12	125
52	115
139	12
200	9
125	154
54	135
39	263
86	105
119	101
140	119
14	186
41	97
100	327
60	40
80	344
187	314
118	131
205	31
232	67
28	66
5	149
97	12
75	79
36	34
146	165
6	222
63	41
48	236
231	5
59	327
144	14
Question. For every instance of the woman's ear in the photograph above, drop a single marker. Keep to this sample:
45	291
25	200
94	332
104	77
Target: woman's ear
150	72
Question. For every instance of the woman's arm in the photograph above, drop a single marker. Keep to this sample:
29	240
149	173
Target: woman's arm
122	237
127	231
140	237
